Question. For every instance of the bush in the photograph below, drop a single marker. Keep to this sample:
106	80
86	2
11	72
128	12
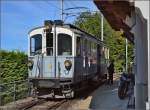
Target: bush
13	67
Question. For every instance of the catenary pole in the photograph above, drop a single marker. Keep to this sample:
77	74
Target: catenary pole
62	8
126	55
102	27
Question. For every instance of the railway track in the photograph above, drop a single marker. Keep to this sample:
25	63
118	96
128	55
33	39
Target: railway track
50	105
57	104
30	104
41	104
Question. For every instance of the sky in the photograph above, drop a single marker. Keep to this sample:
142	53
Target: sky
17	18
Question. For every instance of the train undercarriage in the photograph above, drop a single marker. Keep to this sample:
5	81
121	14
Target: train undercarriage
61	88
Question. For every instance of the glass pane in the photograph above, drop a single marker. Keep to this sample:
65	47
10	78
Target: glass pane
49	44
89	48
64	44
36	44
78	47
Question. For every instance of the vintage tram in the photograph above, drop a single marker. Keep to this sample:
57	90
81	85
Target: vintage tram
62	58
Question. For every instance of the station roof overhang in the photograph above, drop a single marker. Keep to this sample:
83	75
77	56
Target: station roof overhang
116	13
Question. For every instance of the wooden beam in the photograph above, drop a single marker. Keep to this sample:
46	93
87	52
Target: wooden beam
115	12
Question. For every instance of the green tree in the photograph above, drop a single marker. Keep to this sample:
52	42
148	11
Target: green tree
91	23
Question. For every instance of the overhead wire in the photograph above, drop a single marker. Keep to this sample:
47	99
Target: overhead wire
55	6
71	9
40	5
48	2
71	14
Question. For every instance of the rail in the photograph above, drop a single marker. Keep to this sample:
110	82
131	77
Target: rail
12	91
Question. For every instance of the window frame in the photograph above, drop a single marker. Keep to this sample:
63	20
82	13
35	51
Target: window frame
34	45
81	47
52	44
57	44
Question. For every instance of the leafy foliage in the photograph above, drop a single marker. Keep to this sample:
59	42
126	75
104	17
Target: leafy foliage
13	66
91	23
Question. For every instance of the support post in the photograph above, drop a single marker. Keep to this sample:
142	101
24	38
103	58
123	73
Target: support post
54	40
102	27
141	63
62	9
126	55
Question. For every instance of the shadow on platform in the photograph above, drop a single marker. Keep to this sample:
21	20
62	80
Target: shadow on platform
106	98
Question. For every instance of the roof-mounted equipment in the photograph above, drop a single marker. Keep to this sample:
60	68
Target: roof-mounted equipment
48	26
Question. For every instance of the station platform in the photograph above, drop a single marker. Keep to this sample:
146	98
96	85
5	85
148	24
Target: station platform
105	98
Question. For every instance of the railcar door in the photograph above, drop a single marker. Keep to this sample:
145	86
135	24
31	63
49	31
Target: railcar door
49	58
79	64
98	58
85	59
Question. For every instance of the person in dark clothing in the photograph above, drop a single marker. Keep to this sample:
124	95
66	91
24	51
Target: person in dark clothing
111	72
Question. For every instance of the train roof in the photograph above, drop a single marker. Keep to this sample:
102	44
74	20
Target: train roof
74	27
70	26
35	29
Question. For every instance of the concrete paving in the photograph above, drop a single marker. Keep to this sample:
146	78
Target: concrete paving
106	98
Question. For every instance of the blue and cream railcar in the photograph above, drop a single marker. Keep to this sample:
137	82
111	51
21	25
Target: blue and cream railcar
62	57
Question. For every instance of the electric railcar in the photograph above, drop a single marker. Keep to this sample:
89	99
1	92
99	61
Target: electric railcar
62	58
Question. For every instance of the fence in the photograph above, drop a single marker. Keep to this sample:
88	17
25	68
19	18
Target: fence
10	92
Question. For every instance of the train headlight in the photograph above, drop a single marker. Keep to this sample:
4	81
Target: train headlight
30	64
68	64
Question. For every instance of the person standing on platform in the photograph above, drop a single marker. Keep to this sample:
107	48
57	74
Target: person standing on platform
111	72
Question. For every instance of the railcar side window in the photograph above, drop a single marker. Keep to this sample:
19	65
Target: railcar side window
92	49
89	48
85	47
78	47
36	44
49	44
83	43
64	44
102	55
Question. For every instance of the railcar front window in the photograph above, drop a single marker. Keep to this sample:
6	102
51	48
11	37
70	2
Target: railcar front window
36	44
64	44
